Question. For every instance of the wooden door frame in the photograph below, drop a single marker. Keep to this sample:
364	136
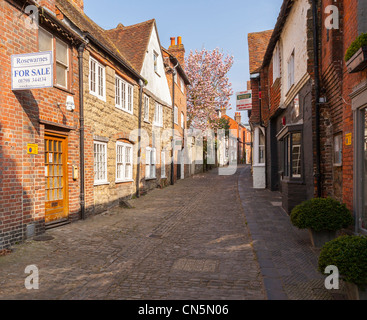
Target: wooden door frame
65	151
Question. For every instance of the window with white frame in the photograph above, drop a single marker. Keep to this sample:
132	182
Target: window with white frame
176	115
276	63
62	63
97	75
158	115
124	165
291	71
100	162
46	42
182	120
163	164
124	95
150	159
146	108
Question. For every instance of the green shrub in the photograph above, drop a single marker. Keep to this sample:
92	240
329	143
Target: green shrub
349	254
321	214
360	42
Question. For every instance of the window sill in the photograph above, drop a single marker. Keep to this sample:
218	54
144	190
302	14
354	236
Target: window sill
56	86
122	109
339	165
158	125
124	181
149	179
97	96
147	121
101	184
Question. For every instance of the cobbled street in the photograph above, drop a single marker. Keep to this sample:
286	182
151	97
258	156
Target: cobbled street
188	241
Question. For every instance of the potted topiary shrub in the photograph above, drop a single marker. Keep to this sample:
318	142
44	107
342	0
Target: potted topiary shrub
349	255
356	56
323	217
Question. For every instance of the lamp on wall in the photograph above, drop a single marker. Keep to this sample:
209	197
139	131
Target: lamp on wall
70	105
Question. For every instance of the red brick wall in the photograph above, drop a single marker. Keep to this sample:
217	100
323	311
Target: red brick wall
350	32
22	121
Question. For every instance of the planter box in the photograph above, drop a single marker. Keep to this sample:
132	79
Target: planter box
319	238
355	292
358	62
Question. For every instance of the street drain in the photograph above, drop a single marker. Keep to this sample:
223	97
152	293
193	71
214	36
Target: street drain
43	238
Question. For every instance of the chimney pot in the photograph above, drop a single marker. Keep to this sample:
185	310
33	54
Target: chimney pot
179	40
173	41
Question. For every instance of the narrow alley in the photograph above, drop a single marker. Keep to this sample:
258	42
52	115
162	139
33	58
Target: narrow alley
197	240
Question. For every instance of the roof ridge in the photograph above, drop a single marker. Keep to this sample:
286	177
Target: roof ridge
121	26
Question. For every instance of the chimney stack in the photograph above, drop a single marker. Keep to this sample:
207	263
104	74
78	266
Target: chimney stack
178	50
238	117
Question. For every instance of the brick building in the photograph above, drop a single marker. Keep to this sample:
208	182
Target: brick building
174	58
73	149
111	113
257	45
141	45
343	125
37	188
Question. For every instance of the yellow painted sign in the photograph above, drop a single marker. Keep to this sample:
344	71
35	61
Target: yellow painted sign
32	148
348	139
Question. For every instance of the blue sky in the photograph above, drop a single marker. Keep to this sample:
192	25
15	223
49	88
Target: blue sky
200	23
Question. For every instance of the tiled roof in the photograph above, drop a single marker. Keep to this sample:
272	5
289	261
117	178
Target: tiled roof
132	41
85	24
257	45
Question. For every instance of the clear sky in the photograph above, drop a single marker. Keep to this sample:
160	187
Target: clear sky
201	23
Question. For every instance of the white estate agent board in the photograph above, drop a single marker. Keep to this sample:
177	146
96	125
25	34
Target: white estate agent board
244	100
32	71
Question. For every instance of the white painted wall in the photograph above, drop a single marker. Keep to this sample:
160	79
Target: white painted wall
294	37
157	83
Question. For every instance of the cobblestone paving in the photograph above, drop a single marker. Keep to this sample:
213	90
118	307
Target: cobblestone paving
287	260
189	241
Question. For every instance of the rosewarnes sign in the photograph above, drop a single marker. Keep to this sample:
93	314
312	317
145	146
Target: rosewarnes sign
244	100
32	71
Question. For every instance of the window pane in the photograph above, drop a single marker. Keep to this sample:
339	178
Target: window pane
61	72
118	91
296	155
93	76
44	40
61	52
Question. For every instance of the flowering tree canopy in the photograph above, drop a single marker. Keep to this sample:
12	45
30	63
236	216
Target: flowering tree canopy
210	89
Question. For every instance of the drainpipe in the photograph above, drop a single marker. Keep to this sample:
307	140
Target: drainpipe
173	124
317	95
141	85
81	106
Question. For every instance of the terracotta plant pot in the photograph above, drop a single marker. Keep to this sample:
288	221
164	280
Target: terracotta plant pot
358	62
319	238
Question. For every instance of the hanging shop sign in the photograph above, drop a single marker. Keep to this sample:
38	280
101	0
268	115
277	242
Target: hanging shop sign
32	71
244	100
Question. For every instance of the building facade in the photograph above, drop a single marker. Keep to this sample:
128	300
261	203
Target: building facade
39	133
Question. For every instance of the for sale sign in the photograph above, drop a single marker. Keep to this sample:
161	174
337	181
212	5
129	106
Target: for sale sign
32	71
244	100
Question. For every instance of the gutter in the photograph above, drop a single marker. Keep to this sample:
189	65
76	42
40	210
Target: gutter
141	84
173	123
82	129
317	95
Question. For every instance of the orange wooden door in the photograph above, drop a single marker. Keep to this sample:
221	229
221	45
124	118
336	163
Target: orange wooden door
56	202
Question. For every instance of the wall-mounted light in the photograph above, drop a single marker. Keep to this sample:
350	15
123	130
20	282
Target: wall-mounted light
70	105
